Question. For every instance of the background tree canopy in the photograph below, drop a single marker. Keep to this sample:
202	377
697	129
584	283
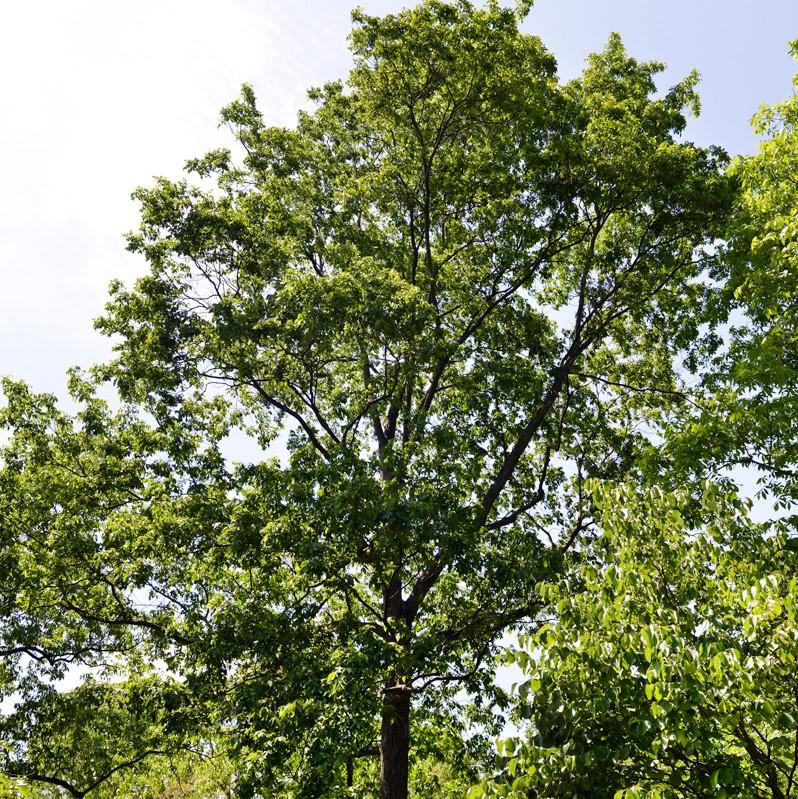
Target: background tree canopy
670	667
454	296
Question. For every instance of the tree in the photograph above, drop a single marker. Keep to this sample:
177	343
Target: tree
64	486
438	305
748	402
669	670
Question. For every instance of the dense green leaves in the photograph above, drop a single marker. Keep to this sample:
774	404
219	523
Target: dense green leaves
669	668
453	293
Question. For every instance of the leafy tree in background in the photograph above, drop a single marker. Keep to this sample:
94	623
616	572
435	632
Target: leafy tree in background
447	298
671	670
63	485
749	396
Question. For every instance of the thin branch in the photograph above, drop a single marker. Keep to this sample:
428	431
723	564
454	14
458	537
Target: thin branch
68	786
639	389
281	406
511	517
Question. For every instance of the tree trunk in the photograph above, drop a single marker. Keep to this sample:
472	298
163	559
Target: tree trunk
395	742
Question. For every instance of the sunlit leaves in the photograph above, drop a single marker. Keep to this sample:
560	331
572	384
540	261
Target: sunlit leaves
671	661
455	291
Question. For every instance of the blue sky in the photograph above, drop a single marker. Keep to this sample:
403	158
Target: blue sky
738	46
98	97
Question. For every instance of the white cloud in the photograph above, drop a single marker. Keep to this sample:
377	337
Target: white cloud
96	98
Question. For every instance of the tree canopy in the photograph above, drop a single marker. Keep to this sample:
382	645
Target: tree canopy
751	389
454	297
669	668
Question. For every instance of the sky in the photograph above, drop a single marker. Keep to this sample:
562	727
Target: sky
98	97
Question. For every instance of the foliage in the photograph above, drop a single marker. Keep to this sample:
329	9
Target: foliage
749	401
65	492
670	667
449	296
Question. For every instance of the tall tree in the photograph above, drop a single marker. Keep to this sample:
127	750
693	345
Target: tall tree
447	297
